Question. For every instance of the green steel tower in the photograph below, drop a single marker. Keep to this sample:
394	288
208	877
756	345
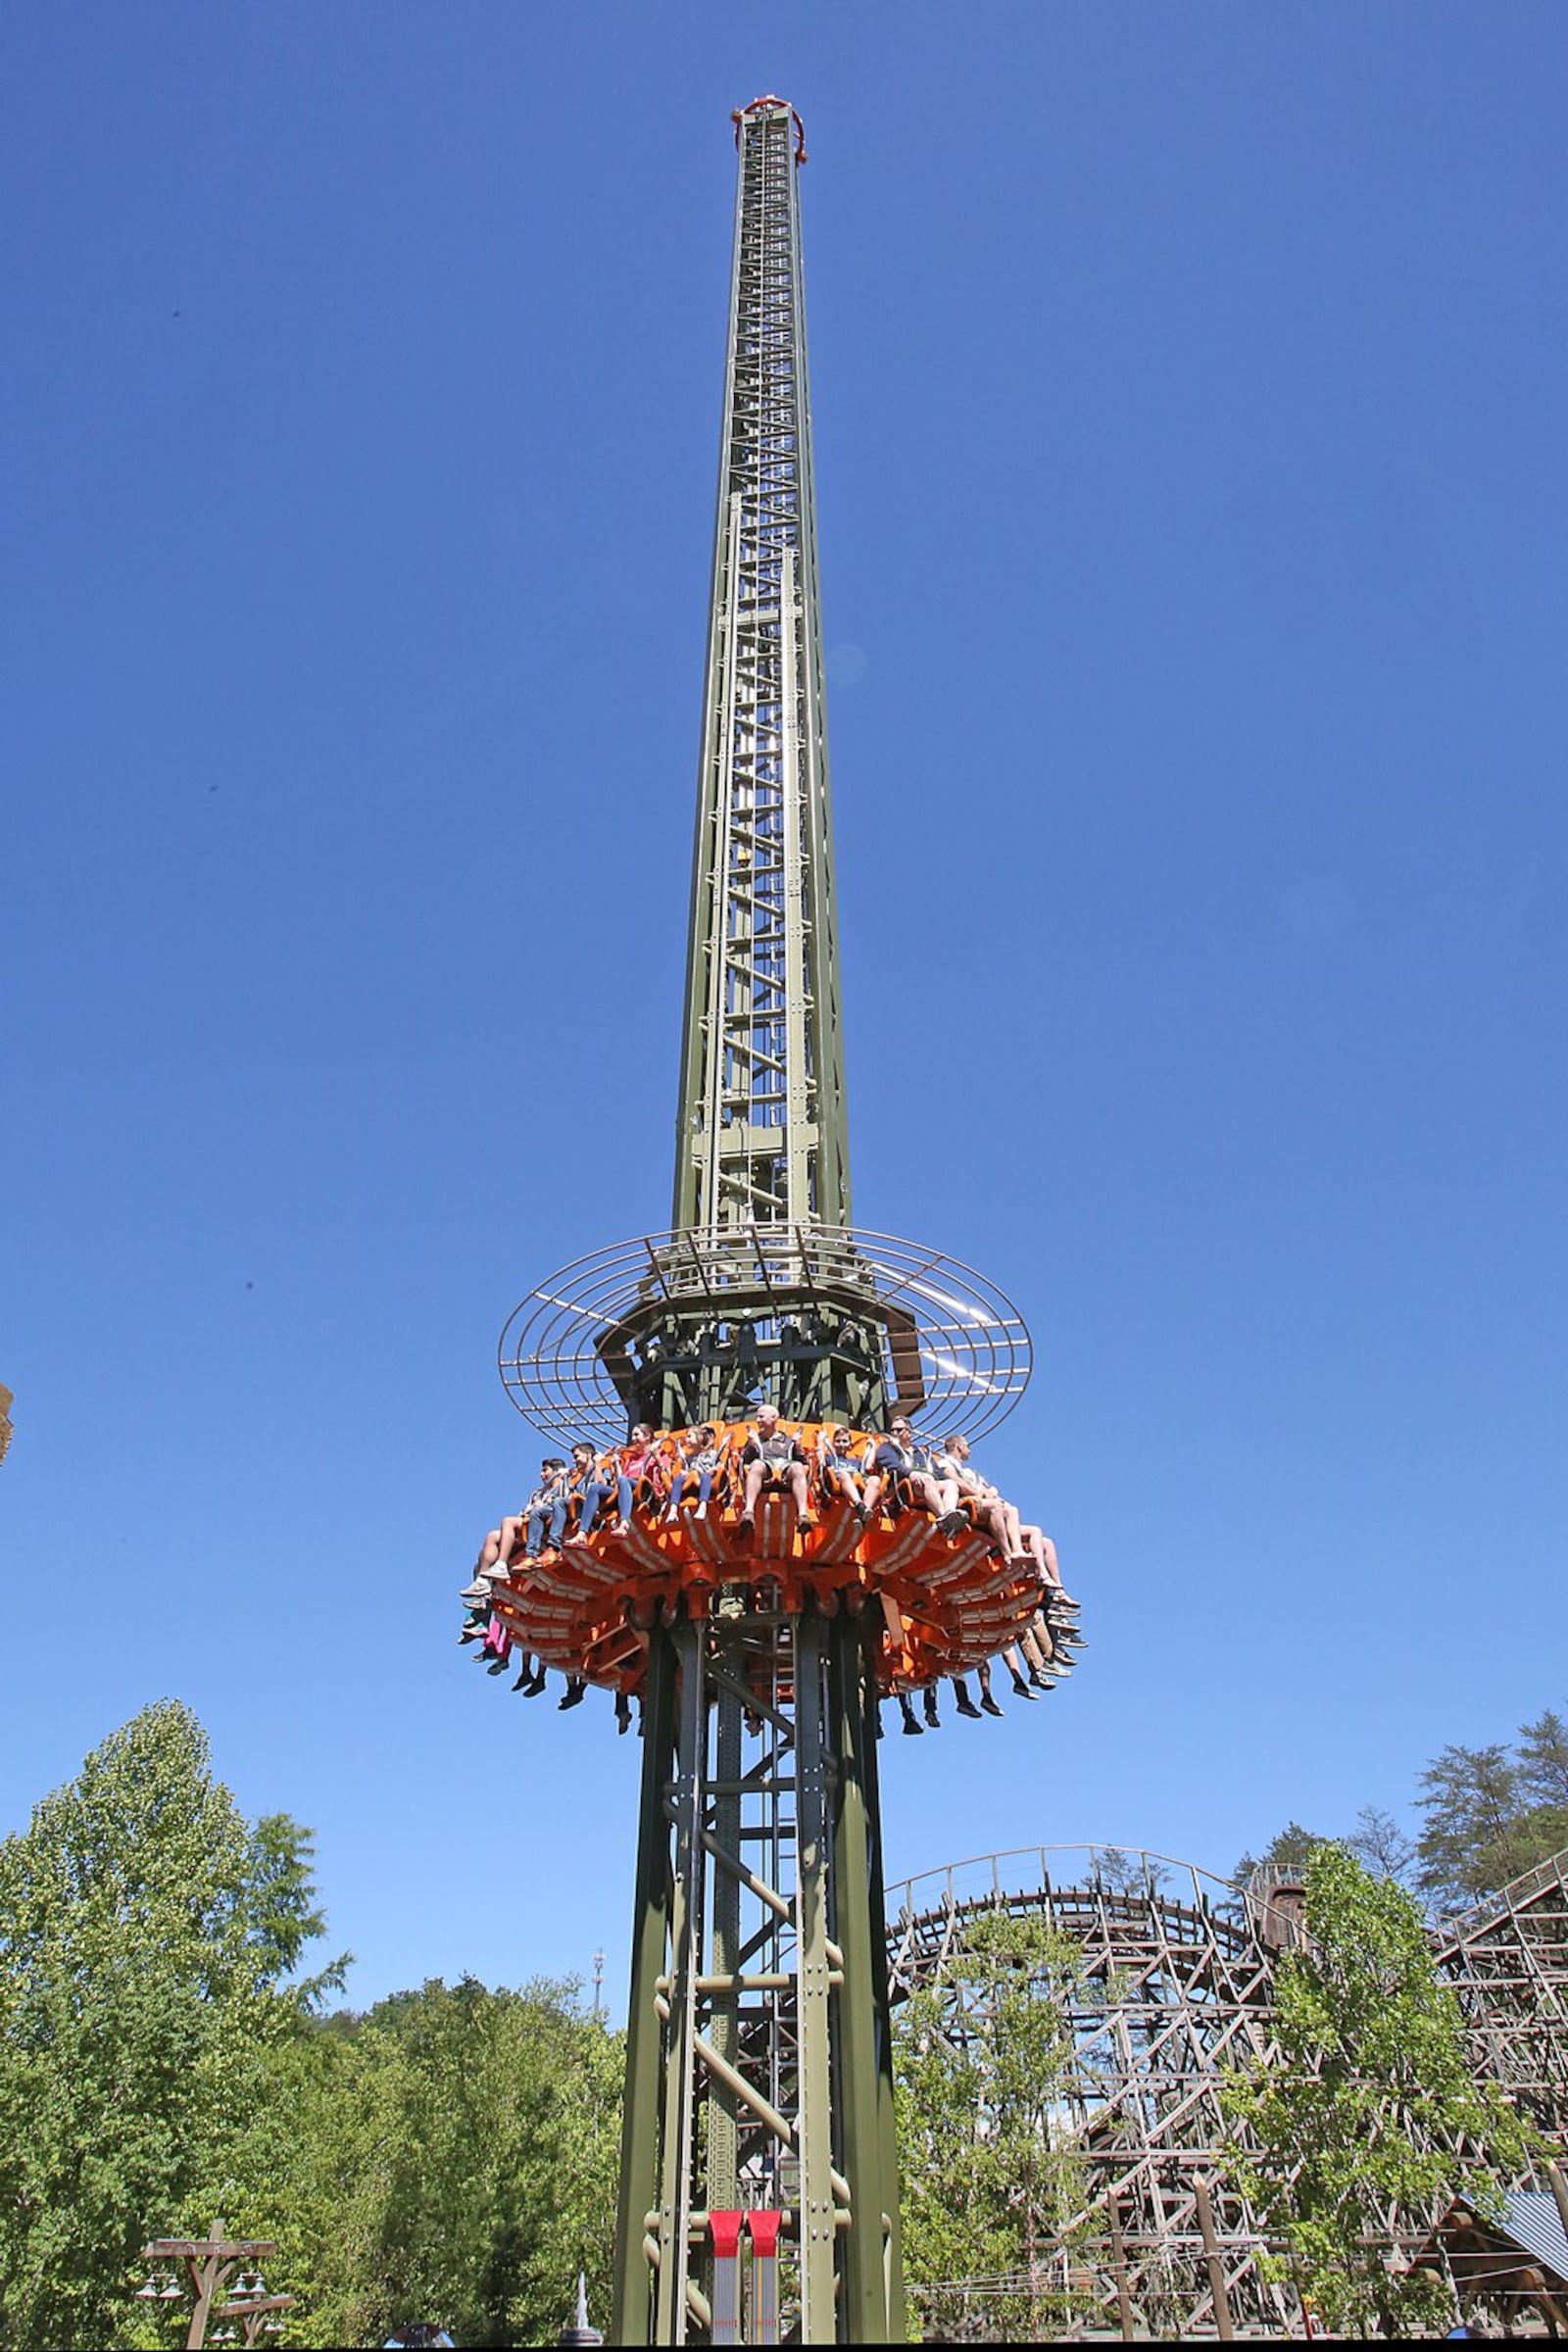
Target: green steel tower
758	2191
761	1133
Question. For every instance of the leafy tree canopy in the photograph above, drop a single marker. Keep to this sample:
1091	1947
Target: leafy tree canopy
1293	1846
1355	2132
1493	1813
146	1932
1488	1815
990	2173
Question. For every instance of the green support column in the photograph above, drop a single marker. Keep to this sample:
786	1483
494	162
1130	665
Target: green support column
858	1930
639	2135
882	2009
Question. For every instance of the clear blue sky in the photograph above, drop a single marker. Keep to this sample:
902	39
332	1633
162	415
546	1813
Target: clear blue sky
1190	387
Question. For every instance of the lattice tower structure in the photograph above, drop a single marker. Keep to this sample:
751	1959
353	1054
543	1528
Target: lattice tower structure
758	2188
762	1132
758	2071
1176	1988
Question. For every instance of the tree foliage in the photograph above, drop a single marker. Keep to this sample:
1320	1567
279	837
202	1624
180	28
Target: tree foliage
451	2155
1488	1815
990	2173
145	1935
1291	1849
1356	2130
1493	1813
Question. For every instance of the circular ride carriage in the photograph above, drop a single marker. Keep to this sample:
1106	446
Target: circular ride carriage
835	1328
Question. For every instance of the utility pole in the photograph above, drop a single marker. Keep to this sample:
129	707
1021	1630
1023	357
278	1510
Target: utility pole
211	2263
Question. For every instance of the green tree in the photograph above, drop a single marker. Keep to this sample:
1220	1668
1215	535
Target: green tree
141	1954
1293	1846
1355	2133
1544	1766
1480	1829
1379	1842
991	2178
451	2156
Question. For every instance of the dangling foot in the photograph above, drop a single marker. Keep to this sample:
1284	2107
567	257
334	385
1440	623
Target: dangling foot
623	1713
965	1704
576	1692
535	1688
1021	1687
912	1725
989	1703
929	1707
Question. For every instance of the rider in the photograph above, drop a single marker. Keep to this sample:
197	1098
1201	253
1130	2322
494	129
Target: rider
772	1457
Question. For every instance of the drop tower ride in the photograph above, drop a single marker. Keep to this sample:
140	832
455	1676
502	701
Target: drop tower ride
758	2188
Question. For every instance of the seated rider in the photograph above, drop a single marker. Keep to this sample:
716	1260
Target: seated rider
637	1475
495	1552
904	1469
772	1458
589	1486
698	1459
839	1470
1041	1550
548	1505
986	1504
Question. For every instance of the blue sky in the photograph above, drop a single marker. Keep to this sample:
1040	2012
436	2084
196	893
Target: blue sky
1189	388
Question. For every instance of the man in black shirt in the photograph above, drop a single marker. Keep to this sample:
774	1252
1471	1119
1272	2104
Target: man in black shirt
905	1466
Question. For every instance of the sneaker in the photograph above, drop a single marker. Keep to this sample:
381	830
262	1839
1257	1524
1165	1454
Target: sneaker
701	1512
622	1712
478	1590
524	1681
989	1703
1021	1687
951	1523
576	1692
469	1632
933	1719
498	1666
806	1522
746	1526
967	1706
912	1725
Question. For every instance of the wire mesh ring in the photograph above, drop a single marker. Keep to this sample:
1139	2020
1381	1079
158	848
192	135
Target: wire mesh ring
975	1348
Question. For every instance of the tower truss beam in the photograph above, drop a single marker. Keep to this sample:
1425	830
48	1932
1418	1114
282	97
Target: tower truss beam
761	1133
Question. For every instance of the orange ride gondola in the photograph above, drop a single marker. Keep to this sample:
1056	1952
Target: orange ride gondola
587	1607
